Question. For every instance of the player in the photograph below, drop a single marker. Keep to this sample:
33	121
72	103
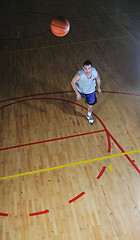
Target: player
84	84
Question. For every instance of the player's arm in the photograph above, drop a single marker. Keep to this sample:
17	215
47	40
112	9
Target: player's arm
73	84
98	83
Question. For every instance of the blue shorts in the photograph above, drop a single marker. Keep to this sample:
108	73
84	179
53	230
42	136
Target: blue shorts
90	98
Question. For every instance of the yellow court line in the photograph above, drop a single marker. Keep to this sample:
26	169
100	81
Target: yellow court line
68	165
115	20
65	44
110	168
126	31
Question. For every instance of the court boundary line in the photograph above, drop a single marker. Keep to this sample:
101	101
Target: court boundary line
59	99
64	45
121	25
51	140
108	134
69	165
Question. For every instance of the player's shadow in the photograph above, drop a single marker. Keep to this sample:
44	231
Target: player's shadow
66	105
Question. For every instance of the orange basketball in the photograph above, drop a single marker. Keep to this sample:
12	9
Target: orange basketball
60	26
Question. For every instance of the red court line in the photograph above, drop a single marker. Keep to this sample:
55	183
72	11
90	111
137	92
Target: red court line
75	198
118	145
129	159
133	94
48	93
51	140
4	214
101	173
25	100
34	95
38	213
107	132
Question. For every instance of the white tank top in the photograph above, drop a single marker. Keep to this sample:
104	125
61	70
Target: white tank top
86	85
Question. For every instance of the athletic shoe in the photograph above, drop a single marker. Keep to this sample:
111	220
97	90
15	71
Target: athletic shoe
90	119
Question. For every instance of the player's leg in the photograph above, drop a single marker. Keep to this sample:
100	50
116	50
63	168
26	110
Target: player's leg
89	115
91	100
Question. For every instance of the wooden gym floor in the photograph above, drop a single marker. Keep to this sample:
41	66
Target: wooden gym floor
48	188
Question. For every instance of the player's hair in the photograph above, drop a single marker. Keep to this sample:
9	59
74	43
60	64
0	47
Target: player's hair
87	63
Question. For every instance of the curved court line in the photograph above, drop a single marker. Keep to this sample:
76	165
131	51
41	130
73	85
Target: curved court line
69	165
4	214
38	213
107	132
59	99
34	95
101	173
48	93
77	197
123	93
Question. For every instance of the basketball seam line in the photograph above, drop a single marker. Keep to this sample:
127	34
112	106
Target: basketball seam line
59	26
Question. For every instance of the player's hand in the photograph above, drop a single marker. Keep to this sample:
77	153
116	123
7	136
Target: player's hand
78	95
99	90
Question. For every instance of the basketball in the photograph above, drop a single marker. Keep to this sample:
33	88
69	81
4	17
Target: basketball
60	26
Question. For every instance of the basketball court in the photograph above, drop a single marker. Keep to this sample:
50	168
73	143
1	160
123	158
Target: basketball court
60	177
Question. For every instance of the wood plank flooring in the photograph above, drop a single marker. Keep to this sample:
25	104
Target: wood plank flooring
43	127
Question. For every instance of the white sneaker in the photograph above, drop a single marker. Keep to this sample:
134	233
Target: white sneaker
90	119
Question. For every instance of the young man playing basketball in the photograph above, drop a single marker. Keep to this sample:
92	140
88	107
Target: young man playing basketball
84	83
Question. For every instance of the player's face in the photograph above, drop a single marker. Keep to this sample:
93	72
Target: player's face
87	69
